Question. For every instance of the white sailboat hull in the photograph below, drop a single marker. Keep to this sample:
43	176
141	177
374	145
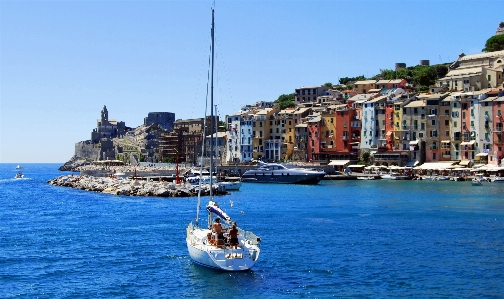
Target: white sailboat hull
226	259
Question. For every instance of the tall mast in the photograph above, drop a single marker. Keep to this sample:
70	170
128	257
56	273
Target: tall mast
211	109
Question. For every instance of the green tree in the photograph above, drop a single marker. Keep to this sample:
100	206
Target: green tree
286	100
365	156
441	70
328	84
222	126
168	160
386	74
345	80
495	43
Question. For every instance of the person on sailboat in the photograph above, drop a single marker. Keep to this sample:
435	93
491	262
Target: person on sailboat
218	233
233	236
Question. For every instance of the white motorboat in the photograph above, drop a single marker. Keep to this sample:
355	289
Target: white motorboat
496	179
478	179
282	174
213	249
386	176
365	178
18	167
19	175
231	185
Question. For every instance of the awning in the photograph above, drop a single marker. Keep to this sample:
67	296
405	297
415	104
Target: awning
445	141
482	155
354	142
411	164
339	162
414	142
465	162
464	143
433	165
356	166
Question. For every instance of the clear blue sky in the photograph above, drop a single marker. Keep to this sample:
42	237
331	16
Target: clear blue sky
61	61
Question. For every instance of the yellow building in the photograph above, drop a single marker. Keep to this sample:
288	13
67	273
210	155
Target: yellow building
261	123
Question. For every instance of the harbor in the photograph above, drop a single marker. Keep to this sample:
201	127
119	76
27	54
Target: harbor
421	239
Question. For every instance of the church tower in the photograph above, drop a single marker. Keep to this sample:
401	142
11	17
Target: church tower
500	29
104	115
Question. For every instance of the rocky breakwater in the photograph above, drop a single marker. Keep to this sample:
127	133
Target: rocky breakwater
129	187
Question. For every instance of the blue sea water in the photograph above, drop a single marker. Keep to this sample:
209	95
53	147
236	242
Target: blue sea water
345	239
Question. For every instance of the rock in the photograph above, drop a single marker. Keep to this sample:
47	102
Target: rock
73	163
130	188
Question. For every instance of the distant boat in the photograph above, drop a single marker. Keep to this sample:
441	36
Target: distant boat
282	174
19	175
478	179
365	178
496	179
18	167
231	185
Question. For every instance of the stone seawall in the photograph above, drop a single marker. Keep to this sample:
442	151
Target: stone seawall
129	187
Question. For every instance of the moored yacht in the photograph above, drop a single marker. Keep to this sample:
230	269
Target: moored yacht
282	174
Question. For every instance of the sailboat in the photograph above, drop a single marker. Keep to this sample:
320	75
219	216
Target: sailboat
206	246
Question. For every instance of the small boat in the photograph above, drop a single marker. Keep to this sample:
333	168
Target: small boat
496	179
282	174
19	175
231	185
365	178
18	167
401	177
442	178
478	179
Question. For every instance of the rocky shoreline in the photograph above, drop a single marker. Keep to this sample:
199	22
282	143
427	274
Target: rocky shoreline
73	163
128	187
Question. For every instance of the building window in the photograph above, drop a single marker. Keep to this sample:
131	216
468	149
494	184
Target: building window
455	124
433	156
447	133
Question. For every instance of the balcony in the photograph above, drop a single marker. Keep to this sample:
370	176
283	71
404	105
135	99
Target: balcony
498	129
446	156
344	137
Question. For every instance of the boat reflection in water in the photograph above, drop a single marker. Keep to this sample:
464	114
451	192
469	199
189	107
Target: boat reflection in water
282	174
